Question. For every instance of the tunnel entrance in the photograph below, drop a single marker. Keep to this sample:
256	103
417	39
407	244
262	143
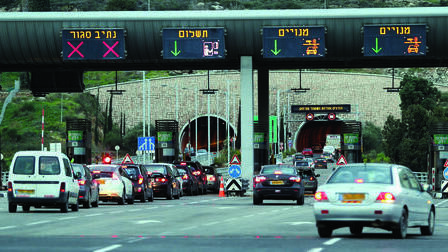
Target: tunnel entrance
188	134
314	133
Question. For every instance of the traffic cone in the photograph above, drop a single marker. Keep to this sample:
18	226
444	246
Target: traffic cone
221	188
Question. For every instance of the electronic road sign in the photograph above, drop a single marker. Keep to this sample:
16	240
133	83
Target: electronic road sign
193	43
293	42
394	40
93	44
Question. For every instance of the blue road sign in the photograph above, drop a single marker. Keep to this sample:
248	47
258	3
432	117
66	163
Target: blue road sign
235	171
445	173
146	143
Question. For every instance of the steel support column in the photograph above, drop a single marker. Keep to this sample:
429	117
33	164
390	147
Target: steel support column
247	119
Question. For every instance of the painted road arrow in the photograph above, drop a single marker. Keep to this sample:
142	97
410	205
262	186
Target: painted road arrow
176	52
276	52
376	49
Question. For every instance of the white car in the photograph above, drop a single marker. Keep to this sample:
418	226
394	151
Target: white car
115	183
385	196
42	178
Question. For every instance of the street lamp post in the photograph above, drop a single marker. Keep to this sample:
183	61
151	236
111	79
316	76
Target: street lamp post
208	128
217	124
144	110
227	121
196	123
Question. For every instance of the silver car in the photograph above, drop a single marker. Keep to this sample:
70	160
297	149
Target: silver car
386	196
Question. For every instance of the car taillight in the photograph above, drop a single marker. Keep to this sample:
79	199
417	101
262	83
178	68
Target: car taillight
81	182
260	179
183	164
9	186
359	181
311	178
278	172
295	179
62	187
320	196
185	177
385	197
197	173
96	172
114	176
163	180
140	179
212	178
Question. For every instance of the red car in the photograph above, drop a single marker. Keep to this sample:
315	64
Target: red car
307	152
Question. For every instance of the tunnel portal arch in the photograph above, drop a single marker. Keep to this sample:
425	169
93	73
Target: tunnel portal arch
188	131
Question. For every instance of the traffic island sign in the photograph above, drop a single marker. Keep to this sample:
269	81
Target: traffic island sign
127	159
342	161
235	160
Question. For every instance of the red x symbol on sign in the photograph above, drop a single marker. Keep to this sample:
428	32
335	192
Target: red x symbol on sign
111	49
75	49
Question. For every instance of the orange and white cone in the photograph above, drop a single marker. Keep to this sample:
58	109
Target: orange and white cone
221	188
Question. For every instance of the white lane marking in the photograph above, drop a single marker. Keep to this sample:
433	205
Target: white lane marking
108	248
226	207
211	223
115	212
204	201
7	227
148	208
168	205
137	239
37	223
315	250
147	221
299	223
194	202
67	218
332	241
187	228
215	199
135	210
95	214
441	203
250	215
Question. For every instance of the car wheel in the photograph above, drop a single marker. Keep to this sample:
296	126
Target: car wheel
122	199
64	207
12	208
75	207
151	199
169	193
26	208
429	230
324	232
97	200
401	230
143	198
356	230
301	200
86	204
257	200
130	200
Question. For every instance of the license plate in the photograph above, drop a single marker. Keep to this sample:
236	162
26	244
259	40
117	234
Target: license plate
277	182
353	197
28	192
100	181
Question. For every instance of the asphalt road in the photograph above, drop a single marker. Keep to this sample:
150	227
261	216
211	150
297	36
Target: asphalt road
198	223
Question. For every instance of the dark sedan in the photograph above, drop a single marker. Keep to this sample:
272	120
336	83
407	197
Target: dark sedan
189	181
309	179
141	181
278	182
164	183
89	190
320	163
212	179
198	171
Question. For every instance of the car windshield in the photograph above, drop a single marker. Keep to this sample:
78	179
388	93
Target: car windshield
362	174
79	168
132	170
24	165
182	171
277	170
306	173
156	169
49	166
302	164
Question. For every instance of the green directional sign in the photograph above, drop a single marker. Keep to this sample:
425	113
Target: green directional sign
272	128
275	51
176	52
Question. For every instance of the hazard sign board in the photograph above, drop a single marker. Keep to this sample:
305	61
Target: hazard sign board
235	160
234	184
342	161
446	163
127	159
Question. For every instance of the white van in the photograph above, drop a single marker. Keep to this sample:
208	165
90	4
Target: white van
42	178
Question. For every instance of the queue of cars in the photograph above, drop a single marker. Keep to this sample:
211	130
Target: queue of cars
48	179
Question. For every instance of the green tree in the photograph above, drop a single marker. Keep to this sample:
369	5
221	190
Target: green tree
372	138
393	135
121	5
39	5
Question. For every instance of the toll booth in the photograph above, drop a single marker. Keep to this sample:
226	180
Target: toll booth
166	148
351	141
438	154
261	156
79	140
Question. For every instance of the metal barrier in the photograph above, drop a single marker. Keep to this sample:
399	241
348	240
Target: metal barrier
5	176
422	177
